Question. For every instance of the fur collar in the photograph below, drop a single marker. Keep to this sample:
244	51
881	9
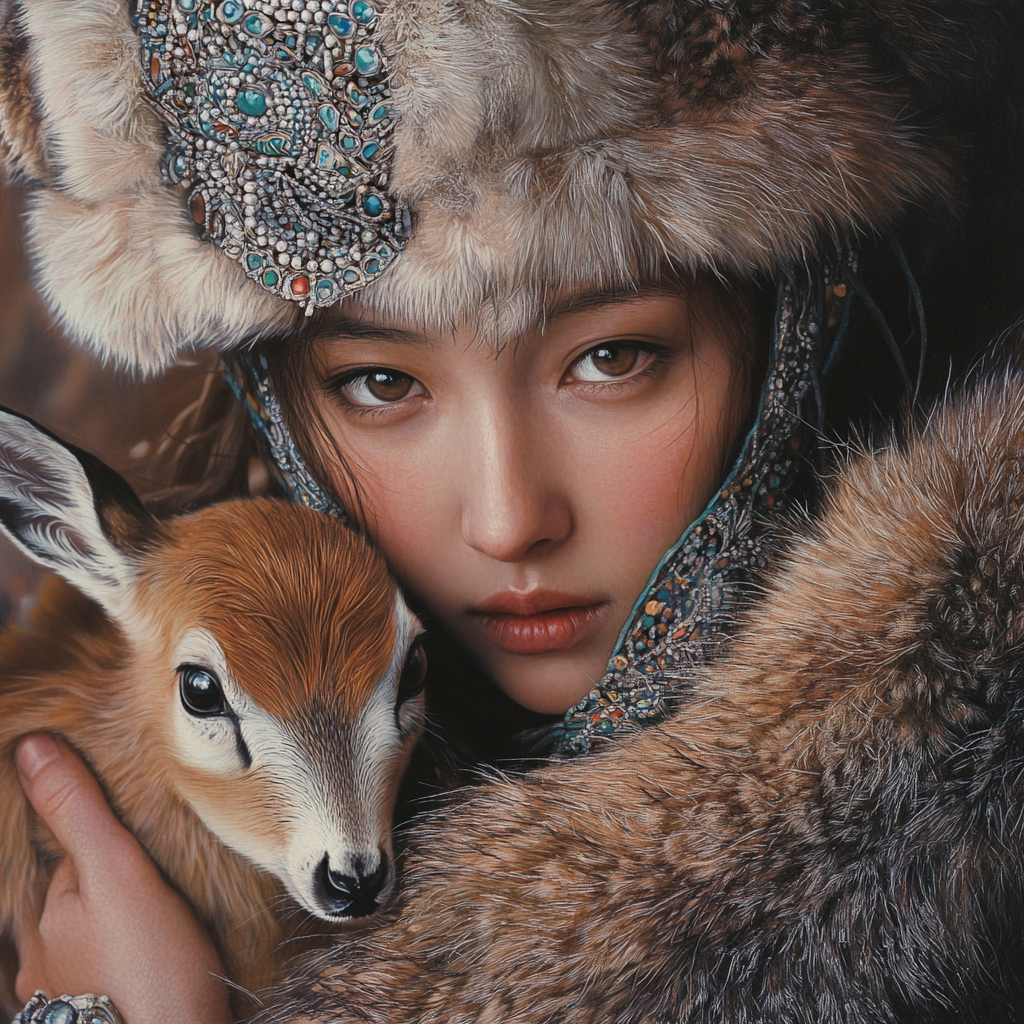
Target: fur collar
830	832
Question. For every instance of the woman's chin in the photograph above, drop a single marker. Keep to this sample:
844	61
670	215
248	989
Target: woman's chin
549	682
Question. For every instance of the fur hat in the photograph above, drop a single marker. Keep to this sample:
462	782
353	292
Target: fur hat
542	145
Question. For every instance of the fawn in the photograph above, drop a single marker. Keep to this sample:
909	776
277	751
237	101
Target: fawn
245	681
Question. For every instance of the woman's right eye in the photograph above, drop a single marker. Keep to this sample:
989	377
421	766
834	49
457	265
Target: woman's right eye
378	386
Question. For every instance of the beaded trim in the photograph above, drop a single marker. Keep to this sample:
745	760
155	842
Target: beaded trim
692	596
280	126
249	377
88	1009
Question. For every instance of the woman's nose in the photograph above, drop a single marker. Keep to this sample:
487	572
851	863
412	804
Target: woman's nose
515	498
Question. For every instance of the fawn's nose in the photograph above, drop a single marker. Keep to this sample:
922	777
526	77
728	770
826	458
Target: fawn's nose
352	895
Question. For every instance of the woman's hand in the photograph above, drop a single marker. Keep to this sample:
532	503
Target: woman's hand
111	924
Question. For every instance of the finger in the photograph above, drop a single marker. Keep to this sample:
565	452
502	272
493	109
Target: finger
28	927
67	797
31	973
63	883
33	941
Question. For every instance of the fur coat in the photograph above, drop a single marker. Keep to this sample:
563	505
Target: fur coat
830	830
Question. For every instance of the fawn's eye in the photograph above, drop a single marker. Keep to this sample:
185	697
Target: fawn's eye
414	674
200	691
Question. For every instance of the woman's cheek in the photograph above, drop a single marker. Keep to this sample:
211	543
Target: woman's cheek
407	518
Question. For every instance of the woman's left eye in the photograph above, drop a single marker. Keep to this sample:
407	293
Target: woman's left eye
609	361
379	386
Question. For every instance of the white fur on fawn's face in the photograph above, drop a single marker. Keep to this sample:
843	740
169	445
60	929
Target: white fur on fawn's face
294	793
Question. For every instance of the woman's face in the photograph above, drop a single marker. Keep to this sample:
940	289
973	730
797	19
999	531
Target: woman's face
525	493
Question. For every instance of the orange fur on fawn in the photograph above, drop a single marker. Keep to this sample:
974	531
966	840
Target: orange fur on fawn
245	682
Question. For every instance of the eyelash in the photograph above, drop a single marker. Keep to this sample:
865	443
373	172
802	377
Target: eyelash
336	389
336	386
656	359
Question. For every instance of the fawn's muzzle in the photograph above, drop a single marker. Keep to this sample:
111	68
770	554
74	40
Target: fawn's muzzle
351	895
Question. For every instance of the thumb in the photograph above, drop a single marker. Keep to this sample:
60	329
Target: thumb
68	798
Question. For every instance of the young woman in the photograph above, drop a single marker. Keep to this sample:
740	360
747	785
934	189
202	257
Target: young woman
581	282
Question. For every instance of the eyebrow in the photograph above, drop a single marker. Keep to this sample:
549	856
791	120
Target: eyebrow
596	298
339	327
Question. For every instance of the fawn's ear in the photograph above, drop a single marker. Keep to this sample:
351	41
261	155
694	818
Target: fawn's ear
68	511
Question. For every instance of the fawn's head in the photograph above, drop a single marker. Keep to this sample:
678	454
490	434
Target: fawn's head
273	662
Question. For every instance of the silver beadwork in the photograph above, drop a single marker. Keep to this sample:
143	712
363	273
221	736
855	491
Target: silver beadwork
88	1009
248	375
279	126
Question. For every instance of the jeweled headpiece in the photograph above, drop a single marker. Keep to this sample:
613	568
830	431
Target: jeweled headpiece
279	122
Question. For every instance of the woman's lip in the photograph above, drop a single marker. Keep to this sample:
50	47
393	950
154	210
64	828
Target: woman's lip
544	625
533	603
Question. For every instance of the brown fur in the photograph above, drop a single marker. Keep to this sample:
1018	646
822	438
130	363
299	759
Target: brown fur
304	611
832	830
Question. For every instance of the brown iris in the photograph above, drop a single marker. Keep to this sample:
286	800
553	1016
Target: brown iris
388	386
614	360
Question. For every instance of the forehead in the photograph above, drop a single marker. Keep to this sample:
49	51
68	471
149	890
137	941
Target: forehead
302	608
561	312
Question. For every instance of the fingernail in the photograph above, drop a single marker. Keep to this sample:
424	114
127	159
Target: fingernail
35	753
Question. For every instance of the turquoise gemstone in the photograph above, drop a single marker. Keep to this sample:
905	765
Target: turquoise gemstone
253	261
351	276
59	1012
187	5
367	60
349	143
272	145
378	113
256	25
356	96
354	120
370	150
325	157
251	102
178	167
373	205
313	84
271	278
324	290
372	265
329	116
363	12
341	26
230	11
